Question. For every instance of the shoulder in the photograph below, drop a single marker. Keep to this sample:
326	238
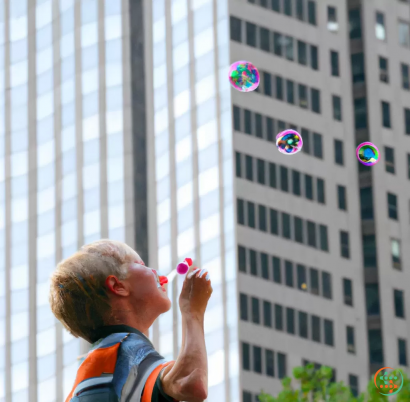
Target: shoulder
153	391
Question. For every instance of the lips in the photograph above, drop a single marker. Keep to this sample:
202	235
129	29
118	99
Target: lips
161	280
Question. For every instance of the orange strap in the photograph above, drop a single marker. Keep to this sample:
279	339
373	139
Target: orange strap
98	361
150	383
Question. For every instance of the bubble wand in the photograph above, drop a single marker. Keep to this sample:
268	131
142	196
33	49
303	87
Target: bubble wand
182	268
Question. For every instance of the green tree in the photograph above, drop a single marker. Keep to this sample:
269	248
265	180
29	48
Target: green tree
315	386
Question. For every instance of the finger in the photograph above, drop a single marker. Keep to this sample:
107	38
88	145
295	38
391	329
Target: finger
192	273
201	274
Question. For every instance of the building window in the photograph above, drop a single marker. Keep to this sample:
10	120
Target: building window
248	122
314	64
334	63
277	275
408	166
298	223
247	396
255	311
303	100
244	306
303	325
402	346
272	175
314	281
269	360
350	340
399	303
242	259
375	346
251	34
274	222
312	12
236	118
354	385
276	5
407	120
348	292
324	245
315	95
240	212
296	182
281	365
278	317
253	263
267	84
392	206
251	215
236	29
321	191
404	34
289	47
360	113
290	321
344	244
306	141
262	218
302	53
279	88
269	129
261	171
383	70
395	253
308	187
267	314
257	359
355	24
358	68
369	251
332	24
258	126
329	332
380	29
339	159
287	9
405	77
389	159
264	265
238	165
317	146
337	107
277	43
311	231
341	197
289	274
284	179
326	285
264	36
290	88
249	167
301	273
300	10
246	358
366	203
386	114
316	328
372	299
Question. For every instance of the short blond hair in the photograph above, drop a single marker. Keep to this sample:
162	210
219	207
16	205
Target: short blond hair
78	295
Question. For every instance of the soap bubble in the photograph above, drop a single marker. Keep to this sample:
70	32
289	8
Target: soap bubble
244	76
289	142
367	154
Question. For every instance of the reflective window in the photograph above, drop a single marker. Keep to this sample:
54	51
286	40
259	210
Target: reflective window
19	210
69	209
204	42
112	7
113	27
91	152
89	11
91	176
68	233
44	37
45	177
20	379
45	222
45	82
67	45
18	28
67	67
19	73
89	34
116	192
67	21
89	58
45	153
19	186
19	326
67	92
68	138
45	366
115	169
46	342
90	104
116	216
45	245
91	199
69	187
114	98
43	14
19	350
18	51
45	105
19	118
91	128
45	200
113	75
90	81
113	51
92	223
19	301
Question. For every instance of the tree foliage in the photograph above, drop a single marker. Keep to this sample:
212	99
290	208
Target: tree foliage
314	386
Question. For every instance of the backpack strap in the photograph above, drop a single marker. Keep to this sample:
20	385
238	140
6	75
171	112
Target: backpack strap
151	380
99	365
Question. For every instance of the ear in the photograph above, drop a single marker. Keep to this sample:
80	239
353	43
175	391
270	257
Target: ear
114	285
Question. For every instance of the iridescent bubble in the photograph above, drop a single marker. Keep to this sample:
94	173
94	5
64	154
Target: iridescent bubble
289	142
367	153
244	76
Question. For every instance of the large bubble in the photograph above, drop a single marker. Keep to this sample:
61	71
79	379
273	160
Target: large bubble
367	153
244	76
289	142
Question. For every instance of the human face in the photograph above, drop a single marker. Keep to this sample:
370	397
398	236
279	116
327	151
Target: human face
144	286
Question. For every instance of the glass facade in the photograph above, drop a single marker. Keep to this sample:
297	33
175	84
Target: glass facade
194	171
62	151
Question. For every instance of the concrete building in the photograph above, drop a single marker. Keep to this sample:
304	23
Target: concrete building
118	120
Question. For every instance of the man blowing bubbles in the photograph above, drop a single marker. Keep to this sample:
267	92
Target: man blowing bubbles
106	295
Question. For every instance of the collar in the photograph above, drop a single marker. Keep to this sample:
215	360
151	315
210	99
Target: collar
105	331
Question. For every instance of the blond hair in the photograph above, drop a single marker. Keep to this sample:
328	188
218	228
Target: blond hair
78	295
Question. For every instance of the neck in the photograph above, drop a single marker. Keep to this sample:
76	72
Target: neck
129	318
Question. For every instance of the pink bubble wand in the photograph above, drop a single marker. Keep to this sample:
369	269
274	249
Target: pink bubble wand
182	268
